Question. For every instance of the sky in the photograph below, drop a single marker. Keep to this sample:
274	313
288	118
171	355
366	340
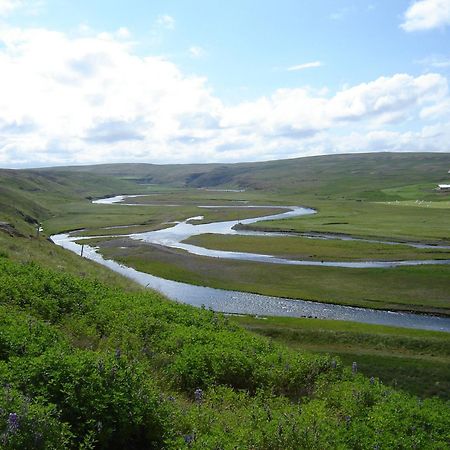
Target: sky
177	81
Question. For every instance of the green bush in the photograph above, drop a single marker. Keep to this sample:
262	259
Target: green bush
99	395
86	366
32	424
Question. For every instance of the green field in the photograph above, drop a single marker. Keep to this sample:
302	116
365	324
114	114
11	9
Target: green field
368	219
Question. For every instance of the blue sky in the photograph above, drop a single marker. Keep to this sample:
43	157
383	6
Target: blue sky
188	81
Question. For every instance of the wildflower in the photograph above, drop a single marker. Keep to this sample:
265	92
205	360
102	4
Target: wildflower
118	353
38	438
333	364
354	367
347	421
280	430
189	438
372	380
198	395
13	422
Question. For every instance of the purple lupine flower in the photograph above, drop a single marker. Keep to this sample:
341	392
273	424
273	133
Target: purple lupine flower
198	395
347	420
354	367
372	380
13	422
38	438
189	438
333	364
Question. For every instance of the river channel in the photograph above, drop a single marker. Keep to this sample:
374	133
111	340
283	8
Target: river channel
243	302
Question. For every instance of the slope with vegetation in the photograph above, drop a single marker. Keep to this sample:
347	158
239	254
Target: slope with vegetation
84	365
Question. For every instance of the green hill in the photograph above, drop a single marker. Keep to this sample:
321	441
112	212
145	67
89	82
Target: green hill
28	197
355	174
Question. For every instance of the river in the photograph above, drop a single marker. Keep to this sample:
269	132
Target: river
243	302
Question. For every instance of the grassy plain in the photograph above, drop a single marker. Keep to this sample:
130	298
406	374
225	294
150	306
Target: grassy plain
296	247
369	219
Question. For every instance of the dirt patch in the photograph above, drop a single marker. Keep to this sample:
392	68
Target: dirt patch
10	229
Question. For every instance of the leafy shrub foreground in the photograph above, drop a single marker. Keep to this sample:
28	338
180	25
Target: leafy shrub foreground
86	366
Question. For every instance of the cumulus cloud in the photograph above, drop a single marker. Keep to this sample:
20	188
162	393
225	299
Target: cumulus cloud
91	98
426	15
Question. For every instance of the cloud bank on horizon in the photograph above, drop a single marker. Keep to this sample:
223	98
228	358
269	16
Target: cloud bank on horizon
84	96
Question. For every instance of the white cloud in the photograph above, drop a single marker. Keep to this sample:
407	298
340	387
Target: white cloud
303	66
435	62
91	98
123	33
166	21
197	52
7	6
426	15
29	7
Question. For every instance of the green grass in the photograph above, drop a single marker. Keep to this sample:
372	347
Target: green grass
40	251
296	247
420	288
417	361
444	204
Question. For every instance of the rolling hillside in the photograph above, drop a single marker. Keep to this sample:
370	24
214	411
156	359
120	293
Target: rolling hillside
356	174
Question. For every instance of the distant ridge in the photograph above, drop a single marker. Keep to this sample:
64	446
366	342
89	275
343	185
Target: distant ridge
313	172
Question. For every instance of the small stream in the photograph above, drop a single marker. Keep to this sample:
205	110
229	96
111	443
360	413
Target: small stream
243	302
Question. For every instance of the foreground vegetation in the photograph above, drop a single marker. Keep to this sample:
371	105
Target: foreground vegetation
85	366
417	361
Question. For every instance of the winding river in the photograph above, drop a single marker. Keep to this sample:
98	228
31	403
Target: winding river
246	303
